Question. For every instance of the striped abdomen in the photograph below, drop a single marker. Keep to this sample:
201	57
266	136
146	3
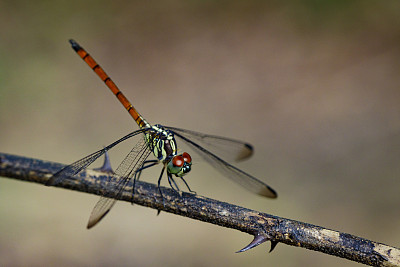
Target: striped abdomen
110	84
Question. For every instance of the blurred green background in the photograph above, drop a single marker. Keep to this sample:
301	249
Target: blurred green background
313	85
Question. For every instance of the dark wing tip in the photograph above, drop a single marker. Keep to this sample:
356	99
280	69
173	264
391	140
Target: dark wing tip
94	220
74	45
90	225
246	152
268	192
248	146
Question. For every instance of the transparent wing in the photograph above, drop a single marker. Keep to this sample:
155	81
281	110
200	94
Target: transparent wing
83	163
246	180
114	186
100	210
230	149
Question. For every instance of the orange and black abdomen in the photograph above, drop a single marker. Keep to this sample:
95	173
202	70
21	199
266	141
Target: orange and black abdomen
110	84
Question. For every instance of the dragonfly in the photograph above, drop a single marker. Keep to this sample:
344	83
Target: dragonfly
161	142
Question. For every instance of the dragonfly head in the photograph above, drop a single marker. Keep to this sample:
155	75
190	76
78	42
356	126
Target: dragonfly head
180	164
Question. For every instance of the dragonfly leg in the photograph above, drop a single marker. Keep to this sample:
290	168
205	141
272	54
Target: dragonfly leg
190	190
170	179
159	186
145	165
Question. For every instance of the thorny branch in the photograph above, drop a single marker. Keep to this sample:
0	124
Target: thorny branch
262	226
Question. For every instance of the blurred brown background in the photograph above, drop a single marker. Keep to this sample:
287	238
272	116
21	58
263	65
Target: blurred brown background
313	85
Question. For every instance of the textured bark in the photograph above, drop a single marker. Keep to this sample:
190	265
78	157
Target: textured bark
262	226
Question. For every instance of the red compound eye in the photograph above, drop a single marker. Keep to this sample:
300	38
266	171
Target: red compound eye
187	157
178	161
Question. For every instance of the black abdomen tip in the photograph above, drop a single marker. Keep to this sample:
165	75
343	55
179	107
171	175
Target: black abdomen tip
74	45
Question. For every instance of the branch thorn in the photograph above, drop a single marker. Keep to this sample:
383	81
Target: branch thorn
106	168
258	239
273	245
